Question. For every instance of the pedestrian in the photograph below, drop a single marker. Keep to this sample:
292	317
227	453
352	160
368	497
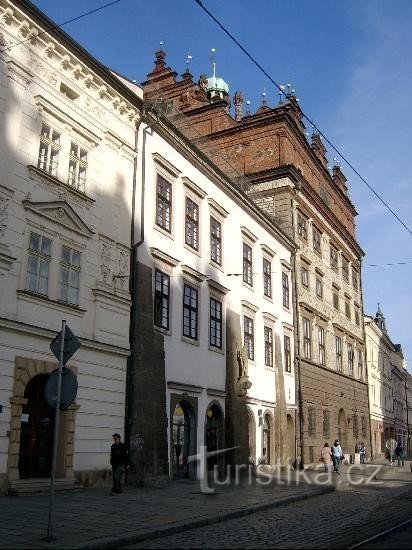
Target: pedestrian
337	456
362	452
118	461
326	456
399	454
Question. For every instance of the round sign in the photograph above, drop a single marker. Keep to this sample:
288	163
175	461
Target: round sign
391	445
68	388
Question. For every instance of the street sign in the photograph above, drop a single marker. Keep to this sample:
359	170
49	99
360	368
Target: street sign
71	345
68	388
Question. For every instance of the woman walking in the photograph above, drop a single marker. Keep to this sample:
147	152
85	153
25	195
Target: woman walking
326	456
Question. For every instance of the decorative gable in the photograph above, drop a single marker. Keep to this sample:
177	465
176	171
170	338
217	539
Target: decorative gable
59	212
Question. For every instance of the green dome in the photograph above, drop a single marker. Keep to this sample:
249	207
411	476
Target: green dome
217	86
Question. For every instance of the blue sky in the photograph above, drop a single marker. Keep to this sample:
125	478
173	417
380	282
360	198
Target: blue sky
351	65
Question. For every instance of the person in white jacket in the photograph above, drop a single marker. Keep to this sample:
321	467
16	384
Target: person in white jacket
337	456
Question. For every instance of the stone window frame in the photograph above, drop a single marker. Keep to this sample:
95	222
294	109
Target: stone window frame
58	239
70	132
217	292
248	240
334	257
218	213
195	194
322	346
317	250
302	222
169	173
166	264
335	293
269	322
268	255
26	369
338	353
307	337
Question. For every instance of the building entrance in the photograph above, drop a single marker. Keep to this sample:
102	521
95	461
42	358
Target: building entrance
213	435
184	441
37	432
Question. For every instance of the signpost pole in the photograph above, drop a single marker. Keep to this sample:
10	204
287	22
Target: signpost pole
50	536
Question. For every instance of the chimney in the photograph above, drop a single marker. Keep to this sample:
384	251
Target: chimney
238	103
319	149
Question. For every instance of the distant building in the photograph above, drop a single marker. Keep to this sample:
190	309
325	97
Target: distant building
268	155
387	380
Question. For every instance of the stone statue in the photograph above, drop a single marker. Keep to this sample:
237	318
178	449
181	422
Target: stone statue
202	82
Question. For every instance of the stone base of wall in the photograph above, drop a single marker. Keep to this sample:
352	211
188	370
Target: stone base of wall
156	482
4	484
94	478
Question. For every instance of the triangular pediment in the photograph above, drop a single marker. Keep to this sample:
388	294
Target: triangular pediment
59	212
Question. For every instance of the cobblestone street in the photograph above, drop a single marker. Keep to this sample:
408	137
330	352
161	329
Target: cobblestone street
336	519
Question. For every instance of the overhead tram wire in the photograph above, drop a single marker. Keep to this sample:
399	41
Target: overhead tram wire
281	90
100	8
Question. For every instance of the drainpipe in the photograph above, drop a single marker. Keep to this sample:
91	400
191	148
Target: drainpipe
297	341
365	359
407	418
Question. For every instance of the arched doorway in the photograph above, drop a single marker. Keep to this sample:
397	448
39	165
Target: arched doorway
267	438
184	441
214	435
37	431
251	435
342	429
290	431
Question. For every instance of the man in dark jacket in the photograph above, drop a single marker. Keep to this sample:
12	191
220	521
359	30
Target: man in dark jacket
118	460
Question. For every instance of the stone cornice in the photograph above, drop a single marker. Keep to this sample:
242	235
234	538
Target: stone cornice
33	330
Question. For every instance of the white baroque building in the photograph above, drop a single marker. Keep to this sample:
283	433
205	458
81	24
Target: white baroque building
67	161
388	386
213	361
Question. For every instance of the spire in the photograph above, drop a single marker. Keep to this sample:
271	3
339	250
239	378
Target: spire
380	319
217	89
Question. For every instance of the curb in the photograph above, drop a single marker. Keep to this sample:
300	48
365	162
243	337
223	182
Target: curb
134	537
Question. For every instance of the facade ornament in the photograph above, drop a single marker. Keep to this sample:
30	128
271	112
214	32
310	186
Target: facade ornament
65	62
88	80
8	16
105	262
49	50
202	82
4	205
77	71
123	268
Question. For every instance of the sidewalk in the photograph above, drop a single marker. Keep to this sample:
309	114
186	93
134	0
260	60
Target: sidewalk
93	519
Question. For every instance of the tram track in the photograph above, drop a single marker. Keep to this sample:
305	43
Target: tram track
379	536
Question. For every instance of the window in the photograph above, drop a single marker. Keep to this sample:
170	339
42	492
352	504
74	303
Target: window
347	309
161	300
215	241
319	288
307	342
190	312
302	226
311	422
360	365
335	296
304	275
338	344
363	427
285	289
38	264
345	269
268	347
192	224
317	241
247	264
350	359
355	427
215	330
321	341
164	204
357	317
248	337
77	167
334	258
326	423
49	150
288	356
69	275
267	278
355	279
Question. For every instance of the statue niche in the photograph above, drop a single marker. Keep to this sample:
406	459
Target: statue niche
242	383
